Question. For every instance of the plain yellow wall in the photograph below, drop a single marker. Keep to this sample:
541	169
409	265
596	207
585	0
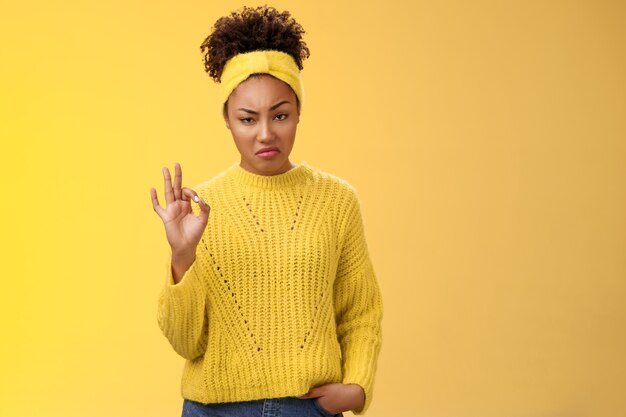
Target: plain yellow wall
487	140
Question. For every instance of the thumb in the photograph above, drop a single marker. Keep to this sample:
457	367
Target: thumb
304	396
192	195
205	209
313	393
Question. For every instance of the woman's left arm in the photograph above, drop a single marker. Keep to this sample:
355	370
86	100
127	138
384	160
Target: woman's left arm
358	305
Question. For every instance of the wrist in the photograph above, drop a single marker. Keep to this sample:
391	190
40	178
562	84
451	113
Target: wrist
183	256
181	262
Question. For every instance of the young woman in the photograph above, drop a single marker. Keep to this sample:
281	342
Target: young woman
270	293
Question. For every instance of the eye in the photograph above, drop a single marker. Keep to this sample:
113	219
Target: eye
246	120
281	116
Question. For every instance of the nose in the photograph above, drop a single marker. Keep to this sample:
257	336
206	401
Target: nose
264	133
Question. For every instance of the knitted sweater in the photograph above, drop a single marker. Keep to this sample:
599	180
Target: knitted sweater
282	296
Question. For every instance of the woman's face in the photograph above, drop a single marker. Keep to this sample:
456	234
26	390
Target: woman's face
262	113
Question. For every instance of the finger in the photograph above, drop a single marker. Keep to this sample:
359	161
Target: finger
205	209
178	180
189	194
313	393
169	192
203	204
155	202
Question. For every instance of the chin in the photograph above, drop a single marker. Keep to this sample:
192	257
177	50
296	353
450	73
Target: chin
268	166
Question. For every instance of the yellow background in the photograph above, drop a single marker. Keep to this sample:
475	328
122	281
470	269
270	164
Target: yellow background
487	140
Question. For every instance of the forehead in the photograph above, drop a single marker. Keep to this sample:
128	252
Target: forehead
261	91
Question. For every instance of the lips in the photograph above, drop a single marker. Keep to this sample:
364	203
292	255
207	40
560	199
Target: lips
272	148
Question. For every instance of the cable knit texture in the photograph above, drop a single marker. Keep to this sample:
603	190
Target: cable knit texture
282	296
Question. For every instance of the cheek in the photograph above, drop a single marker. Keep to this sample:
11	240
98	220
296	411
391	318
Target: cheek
289	130
241	134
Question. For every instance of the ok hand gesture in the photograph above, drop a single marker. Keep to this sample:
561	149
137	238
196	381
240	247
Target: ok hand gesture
183	228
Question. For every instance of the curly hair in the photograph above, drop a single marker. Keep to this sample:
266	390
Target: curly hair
252	29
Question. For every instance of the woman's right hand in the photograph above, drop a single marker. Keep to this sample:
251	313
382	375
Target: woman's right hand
183	228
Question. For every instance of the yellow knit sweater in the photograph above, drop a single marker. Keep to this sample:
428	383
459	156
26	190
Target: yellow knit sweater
282	296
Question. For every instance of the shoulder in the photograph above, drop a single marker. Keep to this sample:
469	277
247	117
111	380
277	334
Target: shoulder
333	181
343	194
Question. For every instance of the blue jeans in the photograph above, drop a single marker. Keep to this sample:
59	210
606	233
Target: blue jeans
271	407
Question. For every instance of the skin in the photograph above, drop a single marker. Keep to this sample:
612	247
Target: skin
182	227
261	112
337	397
270	118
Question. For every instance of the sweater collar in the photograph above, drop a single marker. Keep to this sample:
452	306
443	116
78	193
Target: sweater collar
294	176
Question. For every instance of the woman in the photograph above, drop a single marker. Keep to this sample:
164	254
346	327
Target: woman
272	298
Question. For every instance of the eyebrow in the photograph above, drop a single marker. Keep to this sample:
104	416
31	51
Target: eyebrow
274	107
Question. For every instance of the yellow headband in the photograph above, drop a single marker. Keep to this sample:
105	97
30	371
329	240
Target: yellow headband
277	63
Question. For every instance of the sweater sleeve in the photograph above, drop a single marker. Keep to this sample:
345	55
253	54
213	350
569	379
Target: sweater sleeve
182	313
358	306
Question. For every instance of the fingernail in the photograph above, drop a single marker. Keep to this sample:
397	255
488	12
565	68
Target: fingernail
195	198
